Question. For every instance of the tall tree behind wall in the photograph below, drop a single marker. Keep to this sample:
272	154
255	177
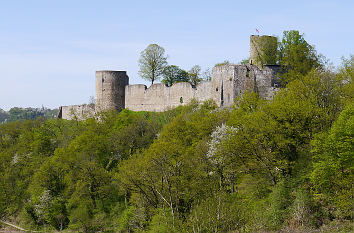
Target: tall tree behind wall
296	56
152	62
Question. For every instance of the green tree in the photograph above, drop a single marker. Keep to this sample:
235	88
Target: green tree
250	149
173	74
152	62
207	74
194	75
296	55
220	213
161	175
245	61
333	171
57	214
345	75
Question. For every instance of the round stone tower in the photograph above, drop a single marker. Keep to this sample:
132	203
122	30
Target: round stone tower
110	89
263	50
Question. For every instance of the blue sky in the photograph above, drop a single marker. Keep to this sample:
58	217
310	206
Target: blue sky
50	50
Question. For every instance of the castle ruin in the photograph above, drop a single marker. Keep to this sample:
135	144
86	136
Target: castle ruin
227	83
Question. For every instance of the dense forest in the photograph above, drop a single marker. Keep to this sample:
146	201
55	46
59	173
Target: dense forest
261	166
16	114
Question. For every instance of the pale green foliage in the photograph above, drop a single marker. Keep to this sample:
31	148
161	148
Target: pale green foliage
333	172
197	168
152	62
346	71
221	213
226	62
207	74
130	219
346	77
245	61
303	211
194	75
163	222
280	200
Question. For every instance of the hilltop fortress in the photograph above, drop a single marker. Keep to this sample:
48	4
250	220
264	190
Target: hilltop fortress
227	83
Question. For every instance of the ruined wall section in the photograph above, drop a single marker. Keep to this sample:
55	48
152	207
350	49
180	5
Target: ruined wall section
140	98
203	91
227	83
251	78
274	72
159	97
230	81
245	79
181	94
262	82
78	112
110	90
271	85
222	89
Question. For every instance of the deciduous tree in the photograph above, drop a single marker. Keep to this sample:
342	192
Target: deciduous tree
173	74
194	75
333	172
296	55
152	62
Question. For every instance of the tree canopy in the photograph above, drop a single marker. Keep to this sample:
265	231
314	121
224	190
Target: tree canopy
194	75
173	74
297	56
152	62
277	165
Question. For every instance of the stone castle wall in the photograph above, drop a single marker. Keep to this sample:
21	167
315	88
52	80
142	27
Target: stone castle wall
79	112
227	83
159	97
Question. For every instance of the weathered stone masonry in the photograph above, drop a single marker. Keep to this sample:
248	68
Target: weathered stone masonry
110	89
228	81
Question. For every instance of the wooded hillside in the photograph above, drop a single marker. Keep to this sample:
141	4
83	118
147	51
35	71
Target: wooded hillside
261	166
